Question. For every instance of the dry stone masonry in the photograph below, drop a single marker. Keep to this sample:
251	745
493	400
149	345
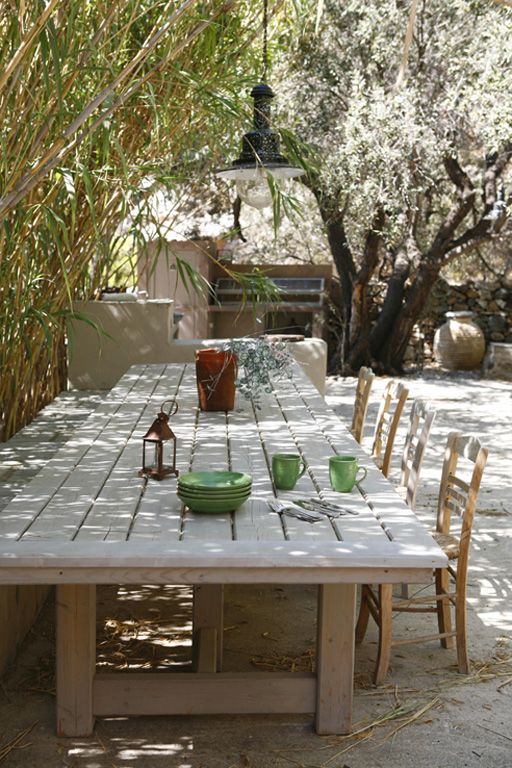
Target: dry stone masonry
492	307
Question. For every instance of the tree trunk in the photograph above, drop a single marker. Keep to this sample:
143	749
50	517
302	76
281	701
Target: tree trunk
393	350
393	302
342	256
359	328
332	217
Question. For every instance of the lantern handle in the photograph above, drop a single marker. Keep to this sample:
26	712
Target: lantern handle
170	412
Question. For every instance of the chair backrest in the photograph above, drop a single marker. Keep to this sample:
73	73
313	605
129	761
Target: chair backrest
388	418
458	490
363	389
420	422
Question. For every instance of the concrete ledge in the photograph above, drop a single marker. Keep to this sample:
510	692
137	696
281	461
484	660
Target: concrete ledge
131	332
98	362
311	354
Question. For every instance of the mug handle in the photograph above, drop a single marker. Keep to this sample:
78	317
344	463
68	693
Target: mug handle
364	476
303	469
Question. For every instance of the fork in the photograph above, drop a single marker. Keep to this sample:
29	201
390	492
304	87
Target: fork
327	507
292	511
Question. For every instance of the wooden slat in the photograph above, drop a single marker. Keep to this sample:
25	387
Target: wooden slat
159	514
322	443
180	558
114	508
178	693
254	520
65	512
278	440
209	452
17	516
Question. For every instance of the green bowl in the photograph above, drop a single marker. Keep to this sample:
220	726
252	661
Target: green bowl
218	497
211	481
223	493
214	506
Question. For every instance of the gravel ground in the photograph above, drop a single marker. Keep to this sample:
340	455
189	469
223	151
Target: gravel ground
427	715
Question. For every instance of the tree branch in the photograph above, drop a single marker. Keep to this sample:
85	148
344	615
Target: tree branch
483	231
459	210
237	227
359	329
495	165
407	44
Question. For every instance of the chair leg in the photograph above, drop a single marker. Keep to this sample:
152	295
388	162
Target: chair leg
364	615
444	619
460	626
385	616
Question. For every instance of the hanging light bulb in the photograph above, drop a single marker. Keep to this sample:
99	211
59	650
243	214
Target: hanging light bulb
255	190
260	157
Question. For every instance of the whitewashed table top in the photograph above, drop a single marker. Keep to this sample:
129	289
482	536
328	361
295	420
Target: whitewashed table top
88	506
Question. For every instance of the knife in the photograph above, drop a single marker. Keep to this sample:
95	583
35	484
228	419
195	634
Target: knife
325	507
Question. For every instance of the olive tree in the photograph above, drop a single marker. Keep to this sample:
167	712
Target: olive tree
412	153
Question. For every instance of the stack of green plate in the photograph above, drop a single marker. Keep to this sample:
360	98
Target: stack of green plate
214	491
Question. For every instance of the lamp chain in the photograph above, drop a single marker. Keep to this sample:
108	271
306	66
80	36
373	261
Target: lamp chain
265	40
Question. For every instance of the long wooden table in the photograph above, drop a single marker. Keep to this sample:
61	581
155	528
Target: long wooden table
88	519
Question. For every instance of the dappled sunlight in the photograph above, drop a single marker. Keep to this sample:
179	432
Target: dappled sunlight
149	628
143	628
130	751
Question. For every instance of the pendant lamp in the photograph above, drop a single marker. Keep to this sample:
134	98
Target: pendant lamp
260	157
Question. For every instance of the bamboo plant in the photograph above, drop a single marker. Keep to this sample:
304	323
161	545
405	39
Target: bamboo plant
95	99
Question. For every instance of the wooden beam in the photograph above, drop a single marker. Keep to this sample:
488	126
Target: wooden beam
208	627
335	657
76	658
183	693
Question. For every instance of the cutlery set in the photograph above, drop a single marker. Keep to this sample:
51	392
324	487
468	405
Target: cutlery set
310	510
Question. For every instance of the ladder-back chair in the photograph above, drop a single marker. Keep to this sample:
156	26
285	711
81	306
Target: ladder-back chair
416	440
363	389
388	418
457	496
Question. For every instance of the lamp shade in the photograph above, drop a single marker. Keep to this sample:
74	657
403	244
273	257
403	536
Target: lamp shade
260	156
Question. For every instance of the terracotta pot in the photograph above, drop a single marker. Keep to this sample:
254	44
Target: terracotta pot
216	375
459	344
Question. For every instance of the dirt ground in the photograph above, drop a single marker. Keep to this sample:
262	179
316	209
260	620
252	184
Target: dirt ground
427	715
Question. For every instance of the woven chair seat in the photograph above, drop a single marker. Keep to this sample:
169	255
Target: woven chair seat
448	543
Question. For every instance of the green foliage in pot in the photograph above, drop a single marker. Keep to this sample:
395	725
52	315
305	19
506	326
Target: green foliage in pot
260	361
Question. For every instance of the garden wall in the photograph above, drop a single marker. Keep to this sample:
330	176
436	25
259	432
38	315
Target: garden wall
491	303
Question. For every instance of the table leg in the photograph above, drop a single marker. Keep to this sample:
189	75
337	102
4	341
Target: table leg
76	658
335	658
208	614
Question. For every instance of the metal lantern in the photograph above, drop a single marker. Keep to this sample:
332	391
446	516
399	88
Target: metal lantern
260	159
153	444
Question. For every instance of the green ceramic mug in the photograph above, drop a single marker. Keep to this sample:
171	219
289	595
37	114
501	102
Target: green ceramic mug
343	472
286	470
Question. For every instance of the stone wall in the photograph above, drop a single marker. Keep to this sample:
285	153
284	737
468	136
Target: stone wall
491	303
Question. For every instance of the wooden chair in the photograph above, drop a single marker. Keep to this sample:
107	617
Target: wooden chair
388	418
363	389
416	440
458	496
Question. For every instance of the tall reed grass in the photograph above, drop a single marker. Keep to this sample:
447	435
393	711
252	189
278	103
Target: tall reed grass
95	98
